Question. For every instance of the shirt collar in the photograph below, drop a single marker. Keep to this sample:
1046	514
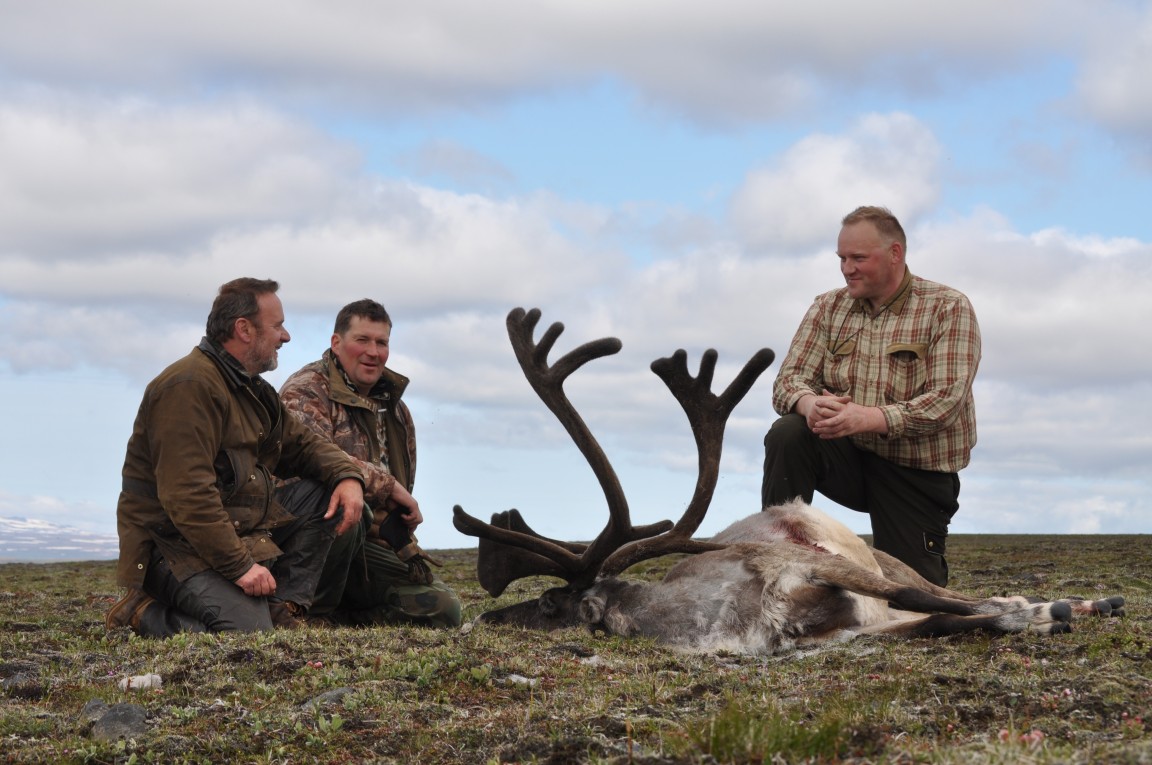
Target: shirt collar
898	301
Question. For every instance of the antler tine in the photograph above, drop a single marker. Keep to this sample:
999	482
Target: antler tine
577	567
510	550
708	415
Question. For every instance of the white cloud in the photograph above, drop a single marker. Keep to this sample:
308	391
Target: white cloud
86	178
722	62
888	160
1113	83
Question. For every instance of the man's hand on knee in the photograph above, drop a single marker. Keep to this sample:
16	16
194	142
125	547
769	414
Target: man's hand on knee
257	582
349	495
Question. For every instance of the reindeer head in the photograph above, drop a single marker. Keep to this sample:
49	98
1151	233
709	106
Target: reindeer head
509	549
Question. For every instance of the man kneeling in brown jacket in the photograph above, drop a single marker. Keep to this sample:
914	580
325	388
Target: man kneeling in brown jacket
204	544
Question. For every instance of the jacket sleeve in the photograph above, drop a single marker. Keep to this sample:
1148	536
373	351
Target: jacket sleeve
306	398
185	432
307	455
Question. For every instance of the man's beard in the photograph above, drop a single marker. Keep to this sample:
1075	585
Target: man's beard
261	364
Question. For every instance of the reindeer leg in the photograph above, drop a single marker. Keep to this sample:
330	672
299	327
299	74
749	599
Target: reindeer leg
954	615
1045	618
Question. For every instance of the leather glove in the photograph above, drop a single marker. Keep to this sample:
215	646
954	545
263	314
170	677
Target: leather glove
390	531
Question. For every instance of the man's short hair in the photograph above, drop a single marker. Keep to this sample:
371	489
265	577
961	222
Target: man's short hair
365	309
884	221
238	299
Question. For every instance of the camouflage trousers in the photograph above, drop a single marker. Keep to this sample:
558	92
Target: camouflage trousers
365	583
378	591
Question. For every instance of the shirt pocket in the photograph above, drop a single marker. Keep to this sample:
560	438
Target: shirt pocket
839	366
907	370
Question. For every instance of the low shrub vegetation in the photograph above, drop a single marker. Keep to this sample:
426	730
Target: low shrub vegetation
492	695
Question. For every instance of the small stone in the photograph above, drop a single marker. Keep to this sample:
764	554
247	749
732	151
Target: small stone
327	699
141	682
121	721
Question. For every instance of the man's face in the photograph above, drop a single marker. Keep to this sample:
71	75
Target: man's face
269	335
872	266
363	351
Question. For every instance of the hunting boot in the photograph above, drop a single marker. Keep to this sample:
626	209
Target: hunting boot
127	611
286	615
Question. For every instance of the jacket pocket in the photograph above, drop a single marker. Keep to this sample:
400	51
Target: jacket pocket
244	489
230	465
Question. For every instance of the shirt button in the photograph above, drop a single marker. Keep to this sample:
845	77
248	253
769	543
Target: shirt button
236	524
252	477
139	566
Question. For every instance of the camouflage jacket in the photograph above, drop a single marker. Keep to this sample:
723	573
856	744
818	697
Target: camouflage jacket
375	430
197	478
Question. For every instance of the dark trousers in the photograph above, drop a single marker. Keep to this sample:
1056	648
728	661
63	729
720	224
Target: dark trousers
333	577
208	602
909	508
366	583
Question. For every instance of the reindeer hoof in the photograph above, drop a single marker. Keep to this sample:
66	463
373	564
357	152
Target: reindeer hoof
1060	628
1060	612
1113	606
1116	605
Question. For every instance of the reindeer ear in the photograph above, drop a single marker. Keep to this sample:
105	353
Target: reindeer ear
592	609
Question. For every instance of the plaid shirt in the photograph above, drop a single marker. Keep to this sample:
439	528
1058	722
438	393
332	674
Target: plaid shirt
915	360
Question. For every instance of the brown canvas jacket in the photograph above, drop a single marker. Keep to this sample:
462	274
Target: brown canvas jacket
320	395
198	474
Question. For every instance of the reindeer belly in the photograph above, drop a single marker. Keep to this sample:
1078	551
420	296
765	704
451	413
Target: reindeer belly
808	610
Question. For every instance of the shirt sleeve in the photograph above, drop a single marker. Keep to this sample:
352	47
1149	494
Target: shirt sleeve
802	371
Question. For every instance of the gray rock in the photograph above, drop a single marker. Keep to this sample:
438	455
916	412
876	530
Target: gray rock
327	699
94	710
121	721
24	685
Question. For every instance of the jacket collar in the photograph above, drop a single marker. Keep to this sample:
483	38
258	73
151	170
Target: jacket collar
233	370
388	390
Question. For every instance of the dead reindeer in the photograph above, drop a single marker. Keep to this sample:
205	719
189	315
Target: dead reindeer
786	576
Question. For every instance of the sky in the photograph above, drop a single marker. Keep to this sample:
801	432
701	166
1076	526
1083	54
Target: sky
670	173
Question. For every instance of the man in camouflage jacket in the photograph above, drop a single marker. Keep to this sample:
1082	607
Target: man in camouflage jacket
203	543
353	400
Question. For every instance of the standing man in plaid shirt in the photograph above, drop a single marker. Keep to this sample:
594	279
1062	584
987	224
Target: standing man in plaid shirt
875	397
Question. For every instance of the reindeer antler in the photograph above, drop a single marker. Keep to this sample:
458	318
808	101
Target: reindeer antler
708	415
620	544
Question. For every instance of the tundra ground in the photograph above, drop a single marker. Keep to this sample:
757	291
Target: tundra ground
490	695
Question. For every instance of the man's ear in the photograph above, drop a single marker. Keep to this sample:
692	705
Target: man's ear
242	330
335	341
